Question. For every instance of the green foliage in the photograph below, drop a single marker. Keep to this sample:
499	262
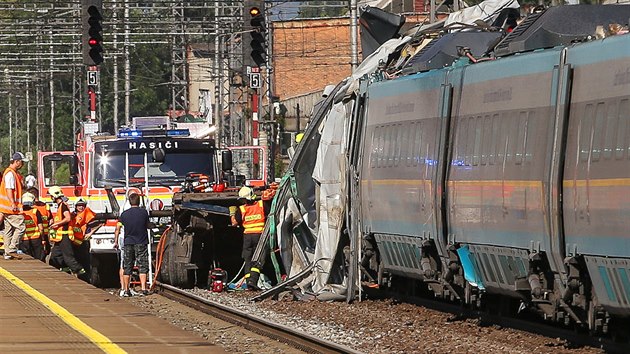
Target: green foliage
150	73
62	175
315	9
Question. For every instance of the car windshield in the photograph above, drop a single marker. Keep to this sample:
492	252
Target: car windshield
110	168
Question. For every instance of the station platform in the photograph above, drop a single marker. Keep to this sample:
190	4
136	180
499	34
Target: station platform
45	310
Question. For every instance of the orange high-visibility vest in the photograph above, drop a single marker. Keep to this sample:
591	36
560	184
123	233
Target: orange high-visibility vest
253	217
57	235
5	203
30	221
44	209
80	225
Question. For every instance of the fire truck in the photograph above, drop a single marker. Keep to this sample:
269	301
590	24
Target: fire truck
155	158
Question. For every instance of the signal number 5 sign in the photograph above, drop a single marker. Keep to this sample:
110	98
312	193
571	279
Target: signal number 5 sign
254	80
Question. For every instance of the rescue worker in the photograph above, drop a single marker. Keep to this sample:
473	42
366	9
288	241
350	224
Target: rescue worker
47	217
82	216
251	216
10	207
32	240
61	236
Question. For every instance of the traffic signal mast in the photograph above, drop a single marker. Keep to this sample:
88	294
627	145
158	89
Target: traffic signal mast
92	38
92	48
254	21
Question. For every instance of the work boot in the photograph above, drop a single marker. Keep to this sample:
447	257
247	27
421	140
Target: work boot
15	255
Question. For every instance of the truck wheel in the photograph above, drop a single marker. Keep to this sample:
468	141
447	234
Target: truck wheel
172	271
104	271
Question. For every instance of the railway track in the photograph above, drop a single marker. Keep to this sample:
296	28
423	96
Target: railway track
573	338
279	332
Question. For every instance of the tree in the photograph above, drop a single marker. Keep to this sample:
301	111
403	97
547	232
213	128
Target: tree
315	9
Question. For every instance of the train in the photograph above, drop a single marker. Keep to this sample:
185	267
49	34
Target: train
504	180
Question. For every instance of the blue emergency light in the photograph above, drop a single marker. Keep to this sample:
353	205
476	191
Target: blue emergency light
156	132
178	132
130	134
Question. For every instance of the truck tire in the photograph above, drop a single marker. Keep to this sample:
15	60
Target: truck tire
104	270
172	271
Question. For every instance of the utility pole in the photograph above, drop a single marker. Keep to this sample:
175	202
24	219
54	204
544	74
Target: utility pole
8	80
28	124
127	66
115	64
51	88
354	61
218	121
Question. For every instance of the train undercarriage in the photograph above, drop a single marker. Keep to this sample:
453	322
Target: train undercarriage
538	294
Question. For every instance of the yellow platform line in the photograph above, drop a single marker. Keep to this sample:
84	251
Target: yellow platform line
94	336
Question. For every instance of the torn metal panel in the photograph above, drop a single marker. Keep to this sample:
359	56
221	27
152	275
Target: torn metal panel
486	11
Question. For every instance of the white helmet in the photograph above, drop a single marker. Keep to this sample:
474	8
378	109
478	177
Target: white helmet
55	192
28	199
246	193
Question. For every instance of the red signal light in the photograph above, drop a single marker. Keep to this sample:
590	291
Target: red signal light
93	41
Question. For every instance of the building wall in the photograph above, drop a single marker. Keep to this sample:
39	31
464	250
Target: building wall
200	85
310	54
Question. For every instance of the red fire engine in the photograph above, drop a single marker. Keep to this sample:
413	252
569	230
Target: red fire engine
153	158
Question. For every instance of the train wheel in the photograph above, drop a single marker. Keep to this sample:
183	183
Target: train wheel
173	272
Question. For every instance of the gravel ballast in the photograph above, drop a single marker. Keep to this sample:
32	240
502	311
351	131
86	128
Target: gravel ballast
374	326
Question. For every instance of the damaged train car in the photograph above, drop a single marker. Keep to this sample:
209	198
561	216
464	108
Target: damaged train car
482	159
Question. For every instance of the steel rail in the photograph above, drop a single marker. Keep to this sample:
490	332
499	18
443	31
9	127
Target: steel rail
292	337
534	326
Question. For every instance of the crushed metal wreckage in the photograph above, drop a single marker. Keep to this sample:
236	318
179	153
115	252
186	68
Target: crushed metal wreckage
311	231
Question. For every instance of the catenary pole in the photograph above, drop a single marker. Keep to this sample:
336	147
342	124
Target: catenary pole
354	61
127	66
115	64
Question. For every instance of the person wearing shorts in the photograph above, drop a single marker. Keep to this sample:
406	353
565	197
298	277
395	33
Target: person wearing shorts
135	222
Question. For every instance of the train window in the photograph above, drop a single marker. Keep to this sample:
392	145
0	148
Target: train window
586	124
393	144
477	143
381	146
417	144
511	130
386	140
486	140
406	146
460	145
388	145
503	140
470	144
530	132
598	131
495	138
374	152
611	126
399	137
404	158
521	138
623	132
